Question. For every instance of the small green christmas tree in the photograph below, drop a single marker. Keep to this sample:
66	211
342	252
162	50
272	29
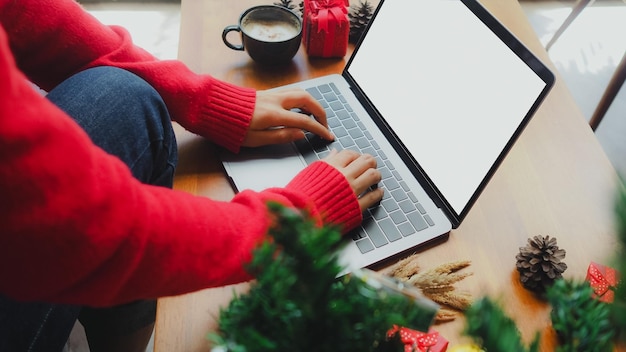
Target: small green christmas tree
298	304
581	322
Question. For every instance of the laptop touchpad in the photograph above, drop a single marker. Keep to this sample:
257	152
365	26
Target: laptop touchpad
273	166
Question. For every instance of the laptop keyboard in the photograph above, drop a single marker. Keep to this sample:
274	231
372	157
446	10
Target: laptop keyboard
399	214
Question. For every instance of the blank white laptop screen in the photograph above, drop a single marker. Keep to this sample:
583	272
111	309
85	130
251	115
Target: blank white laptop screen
454	95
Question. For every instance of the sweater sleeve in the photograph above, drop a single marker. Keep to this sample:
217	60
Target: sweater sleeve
67	39
77	228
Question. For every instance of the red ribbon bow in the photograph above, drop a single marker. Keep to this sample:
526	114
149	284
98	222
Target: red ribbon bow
324	9
414	340
602	279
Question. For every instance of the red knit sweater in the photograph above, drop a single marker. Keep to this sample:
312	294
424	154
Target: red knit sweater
75	226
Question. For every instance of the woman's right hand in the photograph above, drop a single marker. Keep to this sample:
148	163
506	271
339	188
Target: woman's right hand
360	171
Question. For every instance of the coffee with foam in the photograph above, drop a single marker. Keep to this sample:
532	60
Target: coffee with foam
270	31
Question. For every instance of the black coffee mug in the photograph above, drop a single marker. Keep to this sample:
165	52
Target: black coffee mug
270	34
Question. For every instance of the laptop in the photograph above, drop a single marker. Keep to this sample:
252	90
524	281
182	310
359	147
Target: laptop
438	91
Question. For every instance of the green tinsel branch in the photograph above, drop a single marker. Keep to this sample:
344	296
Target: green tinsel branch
582	322
297	303
493	330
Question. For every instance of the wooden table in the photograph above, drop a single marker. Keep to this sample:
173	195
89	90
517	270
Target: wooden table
555	181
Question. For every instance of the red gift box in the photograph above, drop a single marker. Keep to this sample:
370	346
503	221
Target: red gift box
414	340
602	279
326	27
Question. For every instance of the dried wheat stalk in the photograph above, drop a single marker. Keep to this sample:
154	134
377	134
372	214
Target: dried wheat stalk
404	269
444	275
445	315
437	284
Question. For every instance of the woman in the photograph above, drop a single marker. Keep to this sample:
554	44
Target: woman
89	225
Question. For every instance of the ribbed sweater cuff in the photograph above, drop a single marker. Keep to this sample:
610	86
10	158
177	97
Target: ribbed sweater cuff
226	116
331	193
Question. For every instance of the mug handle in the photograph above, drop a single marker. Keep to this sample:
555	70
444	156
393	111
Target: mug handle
227	30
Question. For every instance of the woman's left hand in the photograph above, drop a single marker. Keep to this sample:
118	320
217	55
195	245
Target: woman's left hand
274	120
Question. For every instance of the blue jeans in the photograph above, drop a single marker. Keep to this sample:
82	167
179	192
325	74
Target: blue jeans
127	118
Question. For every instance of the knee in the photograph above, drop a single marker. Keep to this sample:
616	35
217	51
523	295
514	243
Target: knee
119	110
110	95
116	86
131	103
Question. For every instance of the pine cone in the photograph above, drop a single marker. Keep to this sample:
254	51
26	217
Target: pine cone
360	16
539	263
285	3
